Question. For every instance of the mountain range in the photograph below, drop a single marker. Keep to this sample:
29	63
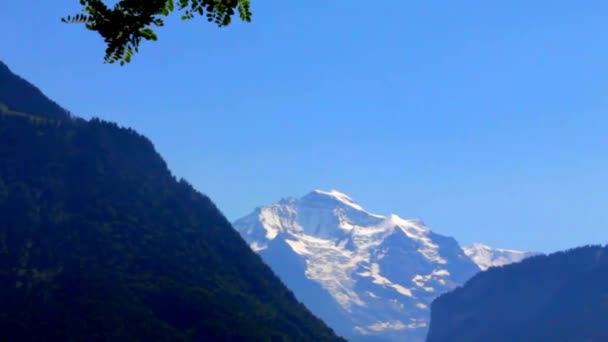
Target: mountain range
100	242
369	276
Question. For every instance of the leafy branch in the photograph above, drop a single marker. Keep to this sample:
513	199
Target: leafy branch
124	26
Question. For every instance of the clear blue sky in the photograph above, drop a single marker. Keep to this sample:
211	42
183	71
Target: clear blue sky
487	119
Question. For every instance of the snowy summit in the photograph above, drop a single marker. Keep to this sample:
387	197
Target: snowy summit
367	275
485	256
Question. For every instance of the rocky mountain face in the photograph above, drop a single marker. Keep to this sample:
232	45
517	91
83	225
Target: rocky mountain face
559	297
369	276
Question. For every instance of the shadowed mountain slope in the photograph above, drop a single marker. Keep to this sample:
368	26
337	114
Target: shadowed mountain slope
100	242
559	297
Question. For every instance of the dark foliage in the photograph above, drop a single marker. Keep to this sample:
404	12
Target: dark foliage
560	297
125	25
99	242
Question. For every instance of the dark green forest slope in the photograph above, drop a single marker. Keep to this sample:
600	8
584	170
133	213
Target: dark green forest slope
559	297
99	242
18	94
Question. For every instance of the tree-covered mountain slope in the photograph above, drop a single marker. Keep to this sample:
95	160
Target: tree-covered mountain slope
100	242
559	297
21	96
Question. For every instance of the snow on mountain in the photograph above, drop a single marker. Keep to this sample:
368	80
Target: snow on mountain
368	276
485	256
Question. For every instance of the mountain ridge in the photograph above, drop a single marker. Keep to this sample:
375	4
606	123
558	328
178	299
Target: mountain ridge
19	95
485	256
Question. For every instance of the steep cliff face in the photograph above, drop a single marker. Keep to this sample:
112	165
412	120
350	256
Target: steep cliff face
100	242
560	297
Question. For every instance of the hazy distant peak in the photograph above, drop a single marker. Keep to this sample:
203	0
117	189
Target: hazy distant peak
481	246
485	256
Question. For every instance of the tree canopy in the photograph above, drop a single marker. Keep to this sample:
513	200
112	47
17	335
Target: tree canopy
124	26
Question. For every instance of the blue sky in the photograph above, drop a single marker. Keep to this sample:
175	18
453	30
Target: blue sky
487	119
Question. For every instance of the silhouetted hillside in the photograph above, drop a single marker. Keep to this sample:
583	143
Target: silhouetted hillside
21	96
560	297
99	242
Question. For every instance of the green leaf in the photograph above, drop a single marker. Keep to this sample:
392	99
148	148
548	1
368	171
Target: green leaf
124	25
170	5
148	34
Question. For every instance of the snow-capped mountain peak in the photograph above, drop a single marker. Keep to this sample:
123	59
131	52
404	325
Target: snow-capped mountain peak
485	256
339	196
362	273
379	273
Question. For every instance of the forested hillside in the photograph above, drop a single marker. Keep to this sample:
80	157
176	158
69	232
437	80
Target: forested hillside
560	297
99	242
